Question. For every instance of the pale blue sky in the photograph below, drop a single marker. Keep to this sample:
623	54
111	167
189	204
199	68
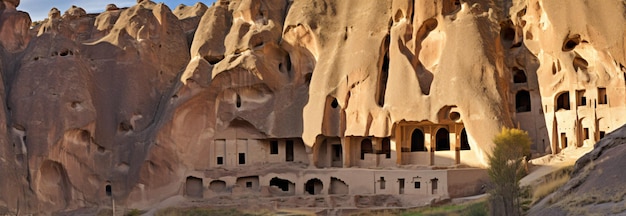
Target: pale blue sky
38	9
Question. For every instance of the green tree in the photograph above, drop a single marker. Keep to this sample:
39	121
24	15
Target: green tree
506	168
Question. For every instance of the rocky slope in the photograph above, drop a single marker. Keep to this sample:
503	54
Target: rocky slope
127	100
596	185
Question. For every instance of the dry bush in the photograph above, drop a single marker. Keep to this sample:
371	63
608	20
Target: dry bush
548	187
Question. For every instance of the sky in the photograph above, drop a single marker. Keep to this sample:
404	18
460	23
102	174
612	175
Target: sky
38	9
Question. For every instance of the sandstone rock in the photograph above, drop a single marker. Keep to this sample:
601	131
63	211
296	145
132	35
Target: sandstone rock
54	13
574	65
190	17
74	12
111	7
245	98
14	3
595	186
14	25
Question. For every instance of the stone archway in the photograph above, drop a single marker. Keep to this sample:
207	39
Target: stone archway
314	186
442	140
464	141
417	140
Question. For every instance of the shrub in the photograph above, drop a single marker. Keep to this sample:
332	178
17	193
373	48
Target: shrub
134	212
506	168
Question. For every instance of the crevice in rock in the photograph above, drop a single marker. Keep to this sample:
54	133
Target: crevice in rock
580	63
507	31
213	59
125	126
450	7
571	42
529	36
285	66
424	77
238	101
384	72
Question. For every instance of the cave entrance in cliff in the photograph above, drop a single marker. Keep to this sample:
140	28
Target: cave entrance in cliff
217	186
193	187
519	76
522	101
443	140
562	101
54	183
417	141
282	184
108	190
366	148
464	142
313	186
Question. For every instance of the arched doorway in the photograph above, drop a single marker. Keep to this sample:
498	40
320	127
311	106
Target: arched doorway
464	142
366	148
313	186
283	184
417	141
217	186
193	187
562	101
442	140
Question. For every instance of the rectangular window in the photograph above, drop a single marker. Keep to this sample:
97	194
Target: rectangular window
382	183
289	150
586	131
602	98
401	186
563	140
274	147
581	100
418	185
220	160
248	184
242	158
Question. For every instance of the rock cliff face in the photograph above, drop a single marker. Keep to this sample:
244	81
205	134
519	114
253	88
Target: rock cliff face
140	102
596	185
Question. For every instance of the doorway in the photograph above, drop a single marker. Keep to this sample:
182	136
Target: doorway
289	150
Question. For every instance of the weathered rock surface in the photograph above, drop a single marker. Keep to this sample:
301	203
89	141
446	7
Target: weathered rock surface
596	185
142	102
14	26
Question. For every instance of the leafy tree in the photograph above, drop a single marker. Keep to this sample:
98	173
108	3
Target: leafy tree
506	168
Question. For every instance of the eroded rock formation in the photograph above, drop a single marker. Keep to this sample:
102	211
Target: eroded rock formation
252	96
596	184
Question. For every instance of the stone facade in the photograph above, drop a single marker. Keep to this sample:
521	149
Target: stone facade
277	98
